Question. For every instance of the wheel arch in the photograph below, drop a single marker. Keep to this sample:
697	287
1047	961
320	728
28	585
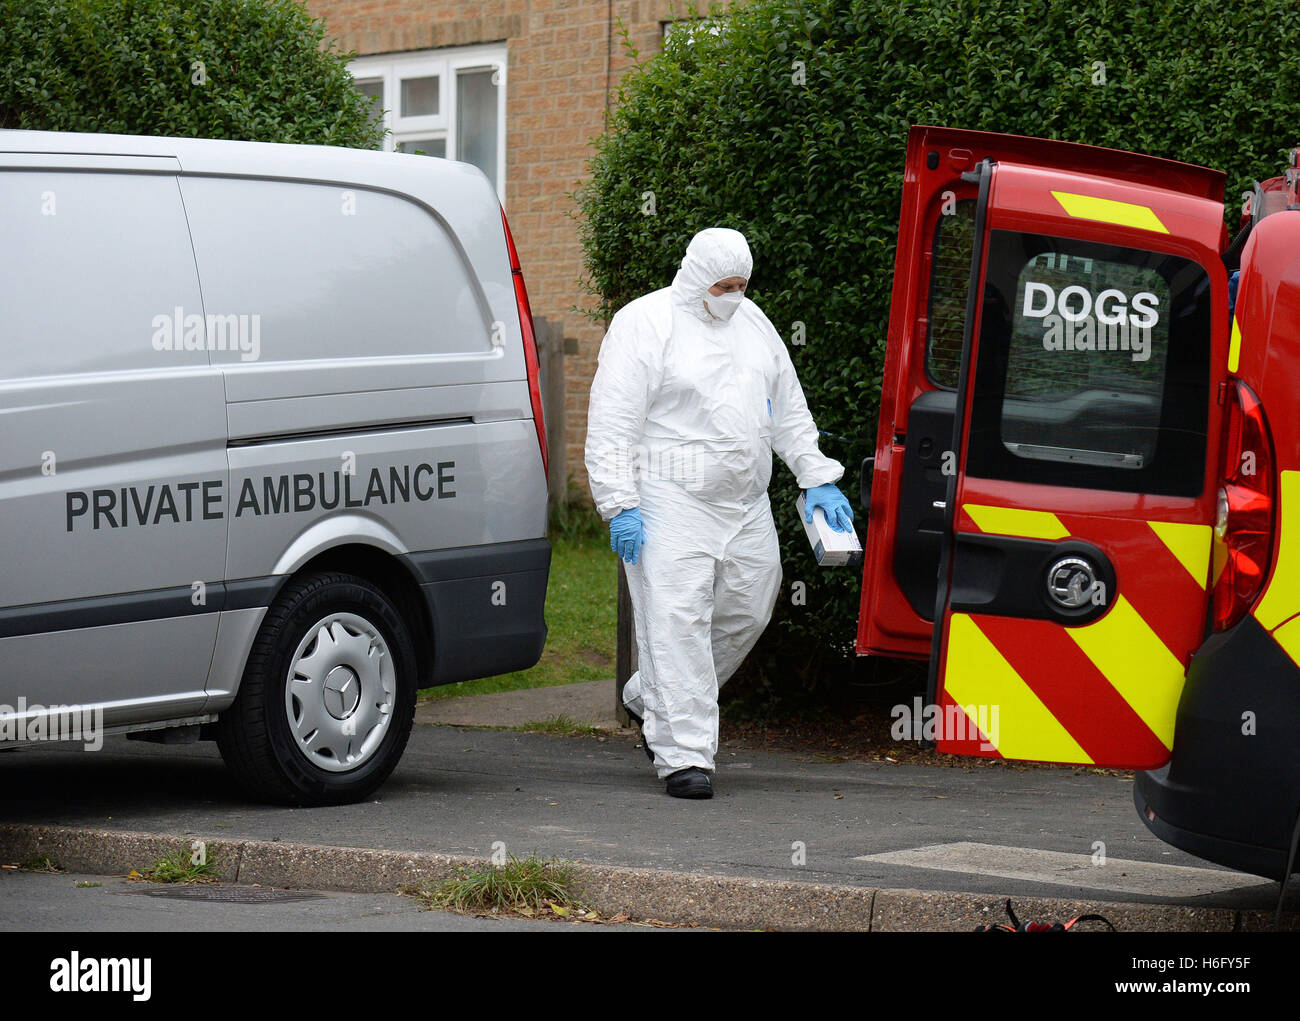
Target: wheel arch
387	571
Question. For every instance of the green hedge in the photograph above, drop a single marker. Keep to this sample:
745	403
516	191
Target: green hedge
722	130
245	69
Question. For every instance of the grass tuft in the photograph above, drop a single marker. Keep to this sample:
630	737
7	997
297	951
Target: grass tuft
526	886
561	725
180	867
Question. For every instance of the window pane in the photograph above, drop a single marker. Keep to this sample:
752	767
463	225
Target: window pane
476	120
419	96
424	146
64	276
374	90
362	293
1085	371
1093	367
954	245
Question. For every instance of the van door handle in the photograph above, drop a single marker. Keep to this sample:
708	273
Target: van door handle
940	505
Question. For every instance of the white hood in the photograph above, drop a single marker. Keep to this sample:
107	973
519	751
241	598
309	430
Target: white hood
713	254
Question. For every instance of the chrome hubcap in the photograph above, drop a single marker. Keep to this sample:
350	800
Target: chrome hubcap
340	692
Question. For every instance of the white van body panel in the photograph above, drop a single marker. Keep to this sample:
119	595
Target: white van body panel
355	392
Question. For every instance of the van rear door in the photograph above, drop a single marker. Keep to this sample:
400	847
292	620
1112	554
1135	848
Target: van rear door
1046	465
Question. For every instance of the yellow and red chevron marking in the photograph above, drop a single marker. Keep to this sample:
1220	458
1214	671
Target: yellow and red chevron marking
1105	693
1278	607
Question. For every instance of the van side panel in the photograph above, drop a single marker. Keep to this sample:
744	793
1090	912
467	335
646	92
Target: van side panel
402	490
339	272
112	452
382	402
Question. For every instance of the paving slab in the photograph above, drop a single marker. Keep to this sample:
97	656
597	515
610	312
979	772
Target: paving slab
590	704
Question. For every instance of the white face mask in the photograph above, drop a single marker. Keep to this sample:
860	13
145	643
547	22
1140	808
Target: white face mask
723	306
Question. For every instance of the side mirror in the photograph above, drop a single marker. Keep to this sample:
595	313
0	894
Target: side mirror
864	484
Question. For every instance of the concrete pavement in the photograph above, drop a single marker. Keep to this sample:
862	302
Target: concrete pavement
787	842
72	902
784	844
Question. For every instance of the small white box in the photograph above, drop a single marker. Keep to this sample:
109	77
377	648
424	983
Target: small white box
831	548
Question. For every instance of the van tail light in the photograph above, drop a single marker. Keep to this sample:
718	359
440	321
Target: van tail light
1243	526
530	344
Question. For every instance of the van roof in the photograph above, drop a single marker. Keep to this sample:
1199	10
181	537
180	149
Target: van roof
458	193
223	156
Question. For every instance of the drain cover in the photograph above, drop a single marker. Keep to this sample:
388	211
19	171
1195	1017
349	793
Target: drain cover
226	894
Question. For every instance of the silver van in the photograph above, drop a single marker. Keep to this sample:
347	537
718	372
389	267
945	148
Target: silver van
271	448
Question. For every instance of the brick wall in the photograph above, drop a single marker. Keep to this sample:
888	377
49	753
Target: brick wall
564	58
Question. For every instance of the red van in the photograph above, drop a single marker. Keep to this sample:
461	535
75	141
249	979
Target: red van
1082	471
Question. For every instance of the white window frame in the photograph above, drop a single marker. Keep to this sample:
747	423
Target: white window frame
445	64
713	26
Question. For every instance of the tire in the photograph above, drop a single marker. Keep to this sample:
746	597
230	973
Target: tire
327	699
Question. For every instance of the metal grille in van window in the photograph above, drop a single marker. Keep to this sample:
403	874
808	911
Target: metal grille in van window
954	245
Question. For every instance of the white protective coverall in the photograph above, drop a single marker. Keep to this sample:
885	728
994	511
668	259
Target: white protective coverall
686	410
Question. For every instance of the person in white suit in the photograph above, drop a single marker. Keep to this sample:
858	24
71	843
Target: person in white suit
693	392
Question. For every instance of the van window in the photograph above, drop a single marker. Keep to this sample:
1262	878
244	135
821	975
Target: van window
330	271
1093	367
72	301
954	246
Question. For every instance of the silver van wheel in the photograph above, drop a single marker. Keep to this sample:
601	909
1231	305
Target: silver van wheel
327	699
340	692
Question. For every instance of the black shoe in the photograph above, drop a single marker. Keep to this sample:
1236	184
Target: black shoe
691	782
640	729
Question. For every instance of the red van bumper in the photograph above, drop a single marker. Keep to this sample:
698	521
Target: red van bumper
1231	791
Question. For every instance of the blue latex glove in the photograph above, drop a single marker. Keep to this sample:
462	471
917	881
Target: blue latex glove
627	533
839	513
